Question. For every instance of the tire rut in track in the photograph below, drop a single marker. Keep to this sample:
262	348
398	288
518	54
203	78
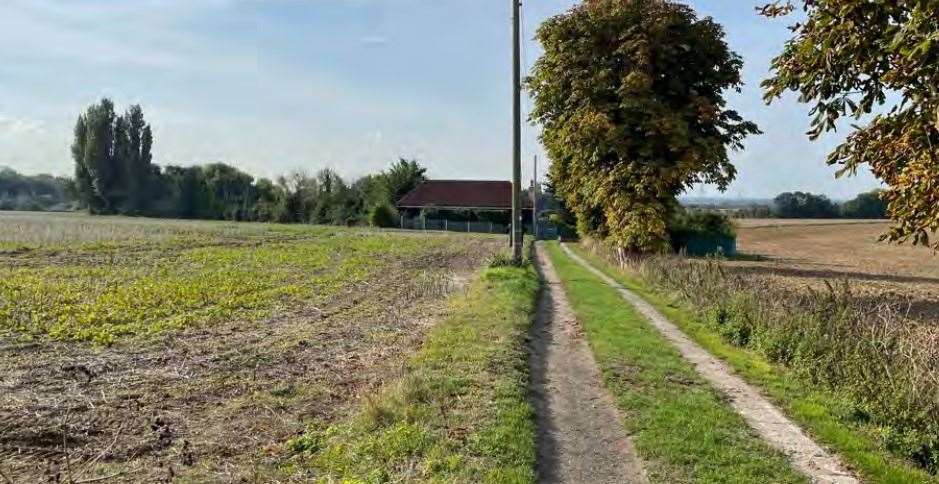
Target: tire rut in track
580	434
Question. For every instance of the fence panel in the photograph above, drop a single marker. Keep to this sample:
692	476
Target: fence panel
545	231
482	227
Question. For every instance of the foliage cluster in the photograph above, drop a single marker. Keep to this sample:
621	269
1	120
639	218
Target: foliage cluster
114	175
37	192
685	225
113	168
630	96
108	289
803	205
461	411
857	58
866	205
867	350
382	215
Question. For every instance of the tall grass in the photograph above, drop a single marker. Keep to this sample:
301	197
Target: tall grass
885	363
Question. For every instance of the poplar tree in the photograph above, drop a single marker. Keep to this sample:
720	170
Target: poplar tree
113	171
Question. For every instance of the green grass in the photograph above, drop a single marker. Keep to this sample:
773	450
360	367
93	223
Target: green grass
828	417
682	428
460	412
101	279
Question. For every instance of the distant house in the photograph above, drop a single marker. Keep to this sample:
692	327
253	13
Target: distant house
463	196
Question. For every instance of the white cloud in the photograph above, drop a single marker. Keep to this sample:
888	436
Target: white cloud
20	126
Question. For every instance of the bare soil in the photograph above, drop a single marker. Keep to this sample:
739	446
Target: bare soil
212	404
580	434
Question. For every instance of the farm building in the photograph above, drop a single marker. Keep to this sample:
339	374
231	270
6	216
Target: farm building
475	198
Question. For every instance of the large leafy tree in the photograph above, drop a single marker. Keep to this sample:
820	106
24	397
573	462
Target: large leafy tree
858	57
630	96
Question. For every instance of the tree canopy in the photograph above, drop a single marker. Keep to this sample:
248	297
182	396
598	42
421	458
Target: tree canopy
630	97
865	205
804	205
402	177
858	57
112	159
36	192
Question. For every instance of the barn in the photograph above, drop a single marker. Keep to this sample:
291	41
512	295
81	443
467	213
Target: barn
479	197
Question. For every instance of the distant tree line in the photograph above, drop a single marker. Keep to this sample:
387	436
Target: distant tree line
114	174
869	205
36	192
807	205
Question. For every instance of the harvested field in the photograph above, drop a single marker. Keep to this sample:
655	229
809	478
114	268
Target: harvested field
807	253
147	351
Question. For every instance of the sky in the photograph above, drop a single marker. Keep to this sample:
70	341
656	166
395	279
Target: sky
272	86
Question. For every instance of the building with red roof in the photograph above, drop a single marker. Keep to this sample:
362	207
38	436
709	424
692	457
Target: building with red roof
475	195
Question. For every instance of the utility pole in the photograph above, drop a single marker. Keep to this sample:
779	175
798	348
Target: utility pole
534	199
516	131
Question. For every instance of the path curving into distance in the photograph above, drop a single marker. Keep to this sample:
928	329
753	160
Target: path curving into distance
581	437
768	421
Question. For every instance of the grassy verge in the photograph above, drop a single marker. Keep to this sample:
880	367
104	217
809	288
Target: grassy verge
829	417
459	414
682	428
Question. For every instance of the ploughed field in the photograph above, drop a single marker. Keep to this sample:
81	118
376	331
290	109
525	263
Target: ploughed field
804	254
149	350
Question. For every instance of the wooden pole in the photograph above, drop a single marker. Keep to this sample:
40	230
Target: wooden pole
516	131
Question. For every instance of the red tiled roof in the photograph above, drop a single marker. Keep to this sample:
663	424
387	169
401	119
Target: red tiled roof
488	194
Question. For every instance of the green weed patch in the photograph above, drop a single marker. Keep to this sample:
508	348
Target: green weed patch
460	412
104	290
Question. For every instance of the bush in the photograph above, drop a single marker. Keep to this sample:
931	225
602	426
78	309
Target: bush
694	226
566	231
382	215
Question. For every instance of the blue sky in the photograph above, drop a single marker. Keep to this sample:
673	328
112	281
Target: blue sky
275	85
